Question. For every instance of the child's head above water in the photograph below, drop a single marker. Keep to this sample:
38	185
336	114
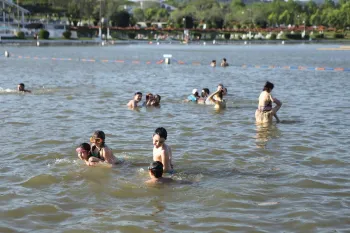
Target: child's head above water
98	138
156	169
83	151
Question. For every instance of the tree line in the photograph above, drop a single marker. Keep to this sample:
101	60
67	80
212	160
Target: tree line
196	13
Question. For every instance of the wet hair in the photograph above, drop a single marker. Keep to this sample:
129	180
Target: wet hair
156	169
205	91
224	59
138	93
85	146
221	94
21	84
99	134
268	85
157	96
147	96
161	132
213	61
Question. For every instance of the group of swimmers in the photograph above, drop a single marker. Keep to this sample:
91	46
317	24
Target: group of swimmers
98	152
222	64
215	98
151	100
264	113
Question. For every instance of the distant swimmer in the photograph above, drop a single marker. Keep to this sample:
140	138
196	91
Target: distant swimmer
21	88
161	151
137	98
213	63
99	150
224	62
265	111
156	101
155	171
149	99
204	96
193	97
215	96
219	102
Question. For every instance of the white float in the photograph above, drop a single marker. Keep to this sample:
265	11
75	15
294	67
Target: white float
167	58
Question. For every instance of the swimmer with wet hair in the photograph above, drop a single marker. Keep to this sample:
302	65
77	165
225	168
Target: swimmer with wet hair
21	88
156	101
99	150
149	100
213	63
265	111
161	151
155	171
137	98
224	62
219	102
204	95
84	153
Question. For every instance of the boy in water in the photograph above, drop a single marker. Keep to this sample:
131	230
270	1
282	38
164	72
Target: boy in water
137	98
161	151
21	88
155	171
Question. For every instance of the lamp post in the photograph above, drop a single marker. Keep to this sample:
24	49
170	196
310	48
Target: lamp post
17	15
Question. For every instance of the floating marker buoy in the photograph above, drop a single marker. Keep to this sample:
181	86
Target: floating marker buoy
167	58
103	43
282	41
157	43
7	54
245	42
214	41
38	43
204	43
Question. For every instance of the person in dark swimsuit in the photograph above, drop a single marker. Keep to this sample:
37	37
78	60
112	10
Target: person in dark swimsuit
100	152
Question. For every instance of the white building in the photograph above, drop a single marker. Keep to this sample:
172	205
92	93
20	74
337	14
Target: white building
11	16
153	3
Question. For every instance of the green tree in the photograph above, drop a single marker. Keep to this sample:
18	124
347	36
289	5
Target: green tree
150	14
120	19
139	15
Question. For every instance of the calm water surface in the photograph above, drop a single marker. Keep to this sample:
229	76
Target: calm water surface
287	177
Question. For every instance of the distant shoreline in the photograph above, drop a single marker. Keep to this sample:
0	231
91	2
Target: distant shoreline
15	42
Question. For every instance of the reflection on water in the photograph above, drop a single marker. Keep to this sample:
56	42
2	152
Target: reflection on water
266	132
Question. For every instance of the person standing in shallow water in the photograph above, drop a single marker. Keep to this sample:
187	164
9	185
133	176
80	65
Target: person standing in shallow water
265	111
161	151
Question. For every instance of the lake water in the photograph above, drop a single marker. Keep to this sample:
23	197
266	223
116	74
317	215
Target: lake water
287	177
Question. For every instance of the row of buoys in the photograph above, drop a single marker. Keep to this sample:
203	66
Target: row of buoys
168	57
